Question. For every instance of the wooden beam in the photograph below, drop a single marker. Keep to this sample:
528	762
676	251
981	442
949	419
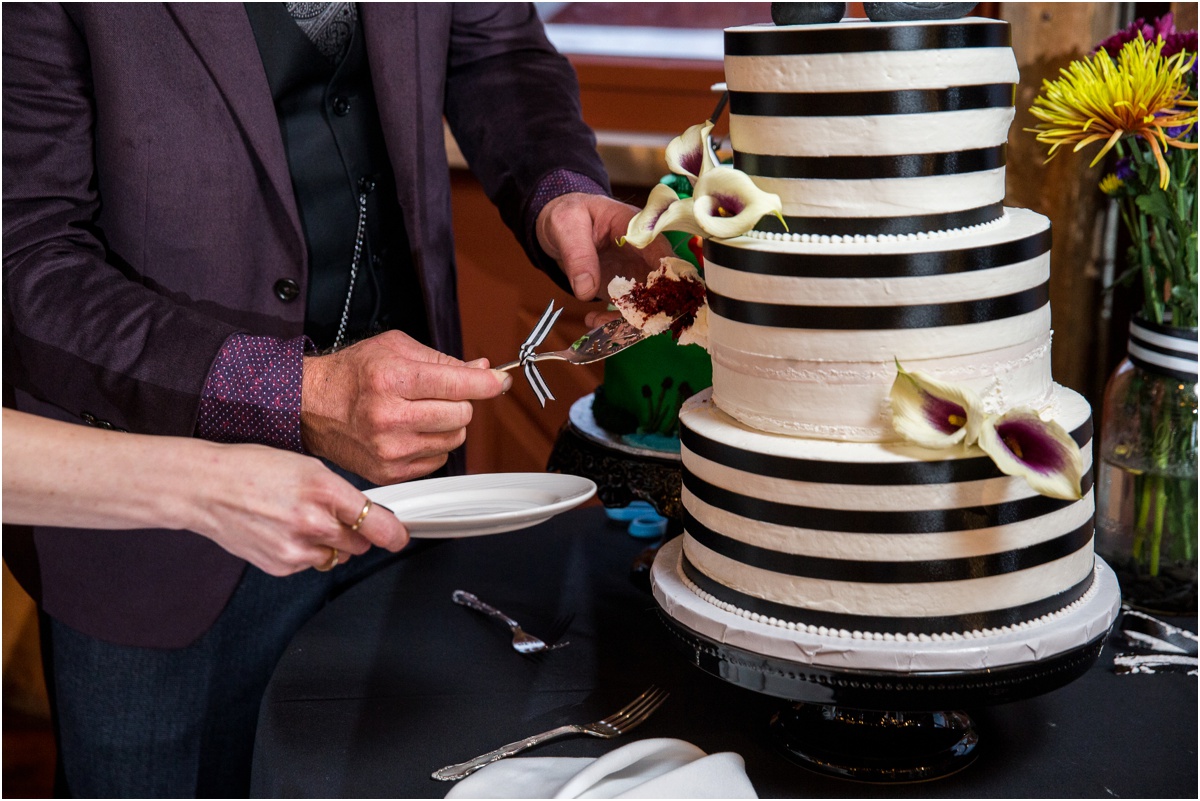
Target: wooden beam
1046	38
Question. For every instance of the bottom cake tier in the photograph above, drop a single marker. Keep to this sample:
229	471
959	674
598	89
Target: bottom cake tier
803	662
864	540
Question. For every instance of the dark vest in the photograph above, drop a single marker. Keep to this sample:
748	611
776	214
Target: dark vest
335	151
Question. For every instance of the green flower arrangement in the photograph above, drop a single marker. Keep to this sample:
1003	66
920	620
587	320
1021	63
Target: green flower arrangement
1135	96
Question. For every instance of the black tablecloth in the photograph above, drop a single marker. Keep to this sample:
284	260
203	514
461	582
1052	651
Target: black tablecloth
392	681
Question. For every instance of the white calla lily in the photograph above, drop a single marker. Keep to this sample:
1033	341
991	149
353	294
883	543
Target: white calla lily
687	153
933	413
728	203
664	211
1042	452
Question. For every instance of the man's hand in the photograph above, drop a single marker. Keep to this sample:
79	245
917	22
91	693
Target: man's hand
390	409
581	231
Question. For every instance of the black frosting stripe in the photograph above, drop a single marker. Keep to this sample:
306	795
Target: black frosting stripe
876	318
870	104
877	265
971	621
894	572
874	521
912	165
882	226
944	471
853	38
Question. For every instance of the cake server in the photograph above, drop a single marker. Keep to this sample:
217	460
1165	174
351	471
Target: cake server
599	343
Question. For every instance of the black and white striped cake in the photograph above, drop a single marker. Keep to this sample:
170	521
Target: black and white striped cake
886	144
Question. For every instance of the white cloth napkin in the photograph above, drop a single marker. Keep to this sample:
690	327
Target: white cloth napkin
652	768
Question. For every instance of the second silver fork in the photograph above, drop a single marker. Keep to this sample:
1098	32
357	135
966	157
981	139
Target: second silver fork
523	642
627	718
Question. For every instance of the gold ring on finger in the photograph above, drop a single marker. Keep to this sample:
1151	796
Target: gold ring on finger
334	557
362	516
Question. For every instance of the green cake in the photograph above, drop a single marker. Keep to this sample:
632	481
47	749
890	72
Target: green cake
645	385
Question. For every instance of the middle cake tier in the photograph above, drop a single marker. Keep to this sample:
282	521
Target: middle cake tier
805	332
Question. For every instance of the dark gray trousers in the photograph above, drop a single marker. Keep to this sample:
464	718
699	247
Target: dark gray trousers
150	723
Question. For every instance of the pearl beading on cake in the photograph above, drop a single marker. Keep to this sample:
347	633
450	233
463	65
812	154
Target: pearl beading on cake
825	631
870	239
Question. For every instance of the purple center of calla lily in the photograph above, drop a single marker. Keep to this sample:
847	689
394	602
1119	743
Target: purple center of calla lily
1031	446
691	161
725	205
946	416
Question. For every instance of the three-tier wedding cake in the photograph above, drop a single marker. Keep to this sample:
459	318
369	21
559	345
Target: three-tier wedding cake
808	509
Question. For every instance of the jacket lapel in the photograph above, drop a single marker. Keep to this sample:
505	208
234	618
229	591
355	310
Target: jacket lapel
221	35
391	29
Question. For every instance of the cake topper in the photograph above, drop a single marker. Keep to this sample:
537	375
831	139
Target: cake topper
824	13
807	13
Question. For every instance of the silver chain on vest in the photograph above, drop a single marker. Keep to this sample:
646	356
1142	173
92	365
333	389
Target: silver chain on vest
358	246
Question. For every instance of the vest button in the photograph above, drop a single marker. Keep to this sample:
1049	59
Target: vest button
341	106
287	290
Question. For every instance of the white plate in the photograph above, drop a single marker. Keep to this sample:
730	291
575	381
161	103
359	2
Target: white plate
469	506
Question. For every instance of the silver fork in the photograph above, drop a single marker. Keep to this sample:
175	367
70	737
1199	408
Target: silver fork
633	714
523	642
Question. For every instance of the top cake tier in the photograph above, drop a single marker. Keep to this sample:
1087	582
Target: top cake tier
873	128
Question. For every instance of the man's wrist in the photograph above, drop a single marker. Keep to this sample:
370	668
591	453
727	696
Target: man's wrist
313	411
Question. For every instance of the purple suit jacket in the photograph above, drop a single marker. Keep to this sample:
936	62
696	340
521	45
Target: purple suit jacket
148	212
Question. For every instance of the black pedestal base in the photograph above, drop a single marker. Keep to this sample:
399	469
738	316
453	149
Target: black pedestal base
875	746
623	474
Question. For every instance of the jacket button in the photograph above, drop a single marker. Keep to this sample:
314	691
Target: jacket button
341	106
88	418
287	290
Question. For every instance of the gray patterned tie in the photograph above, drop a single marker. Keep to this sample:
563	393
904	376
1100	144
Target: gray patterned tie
329	26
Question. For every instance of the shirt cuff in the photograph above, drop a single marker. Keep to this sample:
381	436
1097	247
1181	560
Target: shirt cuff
556	184
559	182
253	392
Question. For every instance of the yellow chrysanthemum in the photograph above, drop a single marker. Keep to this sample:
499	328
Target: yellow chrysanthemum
1142	94
1111	184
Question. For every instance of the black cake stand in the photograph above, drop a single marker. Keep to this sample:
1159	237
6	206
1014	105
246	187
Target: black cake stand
882	710
623	473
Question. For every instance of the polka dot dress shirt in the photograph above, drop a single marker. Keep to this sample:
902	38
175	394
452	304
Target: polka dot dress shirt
253	391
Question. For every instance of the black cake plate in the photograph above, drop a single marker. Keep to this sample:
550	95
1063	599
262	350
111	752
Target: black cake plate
882	710
623	473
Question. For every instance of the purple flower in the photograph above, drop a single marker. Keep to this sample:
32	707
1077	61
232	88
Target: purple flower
944	415
1040	451
1173	41
1124	168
